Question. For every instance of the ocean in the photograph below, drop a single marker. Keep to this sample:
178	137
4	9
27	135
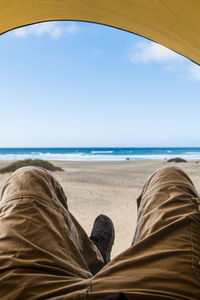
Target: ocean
98	154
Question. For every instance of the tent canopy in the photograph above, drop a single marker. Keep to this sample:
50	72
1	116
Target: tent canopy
172	23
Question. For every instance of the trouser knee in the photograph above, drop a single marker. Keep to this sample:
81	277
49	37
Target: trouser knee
33	182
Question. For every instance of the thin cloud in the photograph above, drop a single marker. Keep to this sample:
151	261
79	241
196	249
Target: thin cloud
194	72
146	52
54	29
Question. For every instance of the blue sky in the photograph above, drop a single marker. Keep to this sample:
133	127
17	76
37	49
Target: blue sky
70	84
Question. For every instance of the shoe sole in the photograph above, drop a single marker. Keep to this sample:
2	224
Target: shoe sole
110	223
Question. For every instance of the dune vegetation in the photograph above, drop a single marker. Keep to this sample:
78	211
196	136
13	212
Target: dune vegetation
176	159
29	162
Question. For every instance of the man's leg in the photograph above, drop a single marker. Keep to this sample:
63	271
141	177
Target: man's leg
164	259
44	252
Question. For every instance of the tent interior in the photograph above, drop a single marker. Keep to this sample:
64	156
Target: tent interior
174	24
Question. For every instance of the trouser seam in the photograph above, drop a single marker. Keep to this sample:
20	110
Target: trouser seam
89	288
90	285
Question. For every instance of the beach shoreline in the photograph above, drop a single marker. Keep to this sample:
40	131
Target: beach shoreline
111	188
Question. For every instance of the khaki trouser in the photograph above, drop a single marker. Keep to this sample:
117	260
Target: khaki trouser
45	253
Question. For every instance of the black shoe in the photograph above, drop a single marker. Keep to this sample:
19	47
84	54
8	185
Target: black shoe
103	235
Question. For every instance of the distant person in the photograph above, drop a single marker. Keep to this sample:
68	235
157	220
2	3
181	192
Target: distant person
45	253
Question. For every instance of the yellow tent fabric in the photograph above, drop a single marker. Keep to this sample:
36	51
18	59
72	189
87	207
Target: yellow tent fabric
172	23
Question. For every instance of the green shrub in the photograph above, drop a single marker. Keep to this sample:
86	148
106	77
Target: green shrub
29	162
177	159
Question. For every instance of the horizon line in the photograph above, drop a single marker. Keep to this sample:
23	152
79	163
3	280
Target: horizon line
87	147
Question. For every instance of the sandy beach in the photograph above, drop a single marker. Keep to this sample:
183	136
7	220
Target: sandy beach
110	188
